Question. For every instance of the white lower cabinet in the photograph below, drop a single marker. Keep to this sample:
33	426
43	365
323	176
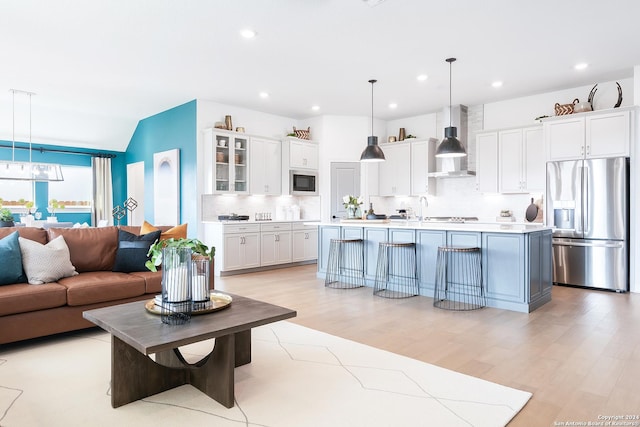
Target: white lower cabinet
304	242
275	241
241	246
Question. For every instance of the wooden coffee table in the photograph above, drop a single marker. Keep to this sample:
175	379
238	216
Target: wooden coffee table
136	333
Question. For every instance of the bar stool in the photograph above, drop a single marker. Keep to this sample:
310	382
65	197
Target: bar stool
345	267
459	279
396	272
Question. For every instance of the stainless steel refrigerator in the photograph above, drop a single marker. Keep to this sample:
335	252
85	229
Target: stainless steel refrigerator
588	203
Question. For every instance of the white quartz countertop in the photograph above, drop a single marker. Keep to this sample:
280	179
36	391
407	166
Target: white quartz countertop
251	221
480	227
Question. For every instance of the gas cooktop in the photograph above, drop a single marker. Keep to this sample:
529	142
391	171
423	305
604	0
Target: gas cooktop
450	218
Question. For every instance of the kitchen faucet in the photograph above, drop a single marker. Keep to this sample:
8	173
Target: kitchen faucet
425	204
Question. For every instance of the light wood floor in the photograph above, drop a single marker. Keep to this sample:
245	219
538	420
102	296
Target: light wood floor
579	354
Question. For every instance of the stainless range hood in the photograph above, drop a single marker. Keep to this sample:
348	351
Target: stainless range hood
457	166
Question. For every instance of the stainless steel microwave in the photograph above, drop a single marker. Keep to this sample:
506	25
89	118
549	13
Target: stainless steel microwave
303	183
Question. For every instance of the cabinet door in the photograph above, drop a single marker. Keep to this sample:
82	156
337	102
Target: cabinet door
239	162
223	169
303	155
265	167
251	251
395	173
503	266
372	237
534	161
311	244
268	245
422	162
564	139
510	160
283	247
299	245
427	243
487	162
607	135
232	258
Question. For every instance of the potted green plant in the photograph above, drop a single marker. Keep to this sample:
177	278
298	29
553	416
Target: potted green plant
6	218
197	249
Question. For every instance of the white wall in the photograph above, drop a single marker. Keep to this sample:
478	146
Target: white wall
523	111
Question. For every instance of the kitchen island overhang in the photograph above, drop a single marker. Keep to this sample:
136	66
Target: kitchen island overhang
517	268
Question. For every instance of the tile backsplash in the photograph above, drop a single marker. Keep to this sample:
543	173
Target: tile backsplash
279	207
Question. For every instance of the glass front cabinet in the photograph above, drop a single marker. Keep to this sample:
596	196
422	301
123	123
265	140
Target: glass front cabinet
228	152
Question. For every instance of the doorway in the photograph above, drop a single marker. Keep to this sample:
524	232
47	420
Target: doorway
345	180
135	190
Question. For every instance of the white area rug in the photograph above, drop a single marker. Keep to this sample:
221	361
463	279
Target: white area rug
298	377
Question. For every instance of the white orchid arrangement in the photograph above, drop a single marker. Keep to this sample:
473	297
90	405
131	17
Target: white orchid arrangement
354	201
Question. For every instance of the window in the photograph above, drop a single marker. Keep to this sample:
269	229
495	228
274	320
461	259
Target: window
15	194
76	191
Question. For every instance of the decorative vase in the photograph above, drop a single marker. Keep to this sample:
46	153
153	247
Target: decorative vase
401	135
351	212
227	121
200	289
177	303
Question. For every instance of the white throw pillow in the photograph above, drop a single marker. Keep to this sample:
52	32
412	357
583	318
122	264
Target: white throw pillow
46	263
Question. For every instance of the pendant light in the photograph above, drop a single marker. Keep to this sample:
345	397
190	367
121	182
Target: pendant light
27	171
373	152
450	145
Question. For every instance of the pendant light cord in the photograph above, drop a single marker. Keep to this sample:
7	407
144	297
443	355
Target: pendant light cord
13	123
450	60
372	82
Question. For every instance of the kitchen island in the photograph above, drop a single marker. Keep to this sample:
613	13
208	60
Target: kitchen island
517	271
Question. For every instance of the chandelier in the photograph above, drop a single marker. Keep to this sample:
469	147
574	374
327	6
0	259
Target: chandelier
26	170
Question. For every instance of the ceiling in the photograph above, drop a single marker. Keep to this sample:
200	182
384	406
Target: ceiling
98	67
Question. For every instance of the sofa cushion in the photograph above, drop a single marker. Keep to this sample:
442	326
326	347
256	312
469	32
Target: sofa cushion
36	234
132	251
91	249
101	286
177	232
152	280
46	263
22	298
10	260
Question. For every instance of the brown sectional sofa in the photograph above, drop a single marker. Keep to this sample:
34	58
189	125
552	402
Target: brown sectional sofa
30	311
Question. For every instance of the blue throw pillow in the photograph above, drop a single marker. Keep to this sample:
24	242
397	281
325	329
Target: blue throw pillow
132	251
10	260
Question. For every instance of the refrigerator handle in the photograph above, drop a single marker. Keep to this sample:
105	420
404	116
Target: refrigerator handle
585	209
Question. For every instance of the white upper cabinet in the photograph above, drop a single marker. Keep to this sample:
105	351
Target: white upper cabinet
521	160
265	167
394	174
589	135
422	162
302	154
608	135
226	157
487	162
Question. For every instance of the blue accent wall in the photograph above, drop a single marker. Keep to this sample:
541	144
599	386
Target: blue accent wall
118	171
174	128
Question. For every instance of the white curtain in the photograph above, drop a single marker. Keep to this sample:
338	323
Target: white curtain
102	191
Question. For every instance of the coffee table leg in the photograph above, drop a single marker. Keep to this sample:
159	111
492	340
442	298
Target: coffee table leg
243	347
135	376
215	377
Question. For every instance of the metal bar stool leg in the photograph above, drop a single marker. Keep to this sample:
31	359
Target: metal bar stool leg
459	279
396	271
345	267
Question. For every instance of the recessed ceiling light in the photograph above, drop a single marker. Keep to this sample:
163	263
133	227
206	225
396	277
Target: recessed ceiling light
581	66
422	77
496	84
393	105
264	95
315	107
247	33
